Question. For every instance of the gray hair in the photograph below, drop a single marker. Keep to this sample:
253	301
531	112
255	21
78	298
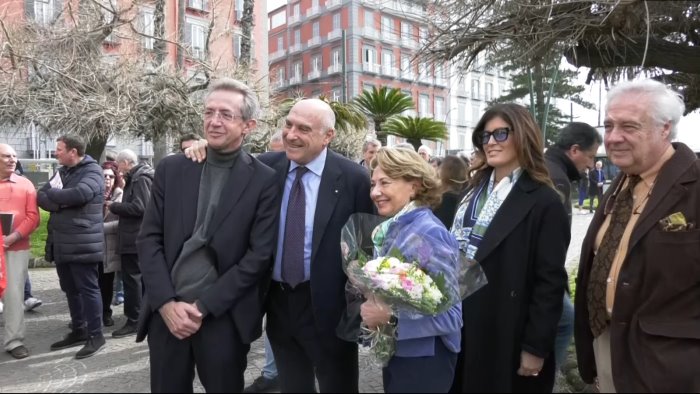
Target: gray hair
277	136
665	104
128	156
250	107
371	142
404	145
426	149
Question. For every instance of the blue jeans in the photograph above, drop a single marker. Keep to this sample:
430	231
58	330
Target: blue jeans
27	289
565	331
269	371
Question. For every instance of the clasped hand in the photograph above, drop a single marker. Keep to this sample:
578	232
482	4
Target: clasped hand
375	313
183	319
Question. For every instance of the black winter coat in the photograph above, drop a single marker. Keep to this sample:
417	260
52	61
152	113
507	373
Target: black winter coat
137	192
562	171
75	225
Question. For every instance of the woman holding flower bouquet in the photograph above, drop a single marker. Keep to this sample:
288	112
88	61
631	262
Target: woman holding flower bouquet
513	222
404	188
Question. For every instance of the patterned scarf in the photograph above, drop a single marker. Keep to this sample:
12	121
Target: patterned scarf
477	210
379	233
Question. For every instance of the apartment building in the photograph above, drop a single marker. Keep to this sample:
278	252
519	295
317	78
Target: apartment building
135	39
470	93
338	48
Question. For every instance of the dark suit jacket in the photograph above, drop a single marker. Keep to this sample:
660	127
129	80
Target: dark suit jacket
344	190
246	224
523	254
655	328
593	181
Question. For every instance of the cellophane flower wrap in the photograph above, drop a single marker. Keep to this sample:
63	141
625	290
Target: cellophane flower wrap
411	271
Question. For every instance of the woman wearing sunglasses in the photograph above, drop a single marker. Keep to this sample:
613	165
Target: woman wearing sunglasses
112	260
513	222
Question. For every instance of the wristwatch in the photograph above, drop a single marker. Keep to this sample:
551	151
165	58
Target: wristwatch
393	320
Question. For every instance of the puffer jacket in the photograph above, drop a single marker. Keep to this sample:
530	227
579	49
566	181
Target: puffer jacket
137	192
75	233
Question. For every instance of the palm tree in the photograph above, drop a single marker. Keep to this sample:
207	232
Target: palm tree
414	129
381	104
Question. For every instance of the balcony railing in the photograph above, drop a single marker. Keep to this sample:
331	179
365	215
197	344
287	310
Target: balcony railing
278	54
390	37
371	67
337	33
313	41
409	42
335	68
313	11
293	19
314	74
280	84
408	74
333	3
295	48
370	32
390	71
295	80
440	81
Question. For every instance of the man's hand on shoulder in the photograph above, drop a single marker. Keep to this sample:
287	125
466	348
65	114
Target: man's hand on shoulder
197	152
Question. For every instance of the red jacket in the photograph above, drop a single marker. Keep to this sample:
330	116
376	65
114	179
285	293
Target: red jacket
3	270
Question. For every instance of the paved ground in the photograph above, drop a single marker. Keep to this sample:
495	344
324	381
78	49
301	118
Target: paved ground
123	365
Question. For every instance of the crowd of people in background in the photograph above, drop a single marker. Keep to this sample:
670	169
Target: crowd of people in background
216	241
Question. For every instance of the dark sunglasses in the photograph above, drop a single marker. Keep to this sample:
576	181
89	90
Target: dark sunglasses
500	135
109	176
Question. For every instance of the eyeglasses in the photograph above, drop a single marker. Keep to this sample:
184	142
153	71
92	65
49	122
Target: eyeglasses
500	135
109	176
223	115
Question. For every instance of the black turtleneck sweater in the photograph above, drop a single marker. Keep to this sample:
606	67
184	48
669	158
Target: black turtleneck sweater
562	171
194	270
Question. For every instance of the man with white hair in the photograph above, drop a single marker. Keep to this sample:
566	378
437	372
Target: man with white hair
637	323
138	179
425	152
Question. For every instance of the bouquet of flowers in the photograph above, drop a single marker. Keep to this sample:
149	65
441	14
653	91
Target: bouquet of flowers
412	272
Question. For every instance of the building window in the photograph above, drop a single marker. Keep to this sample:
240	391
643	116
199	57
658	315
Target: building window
369	55
439	71
44	11
237	45
148	29
388	60
198	37
462	112
476	113
476	89
367	86
335	56
280	43
369	19
423	104
297	37
239	9
336	21
423	34
406	31
335	93
197	4
298	70
316	27
316	63
488	91
314	4
295	9
387	25
439	108
280	74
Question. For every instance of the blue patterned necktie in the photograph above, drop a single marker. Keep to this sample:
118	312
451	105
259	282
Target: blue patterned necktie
295	228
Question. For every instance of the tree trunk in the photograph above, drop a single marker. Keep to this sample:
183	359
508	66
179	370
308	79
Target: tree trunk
160	148
416	142
247	24
96	146
538	79
381	137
